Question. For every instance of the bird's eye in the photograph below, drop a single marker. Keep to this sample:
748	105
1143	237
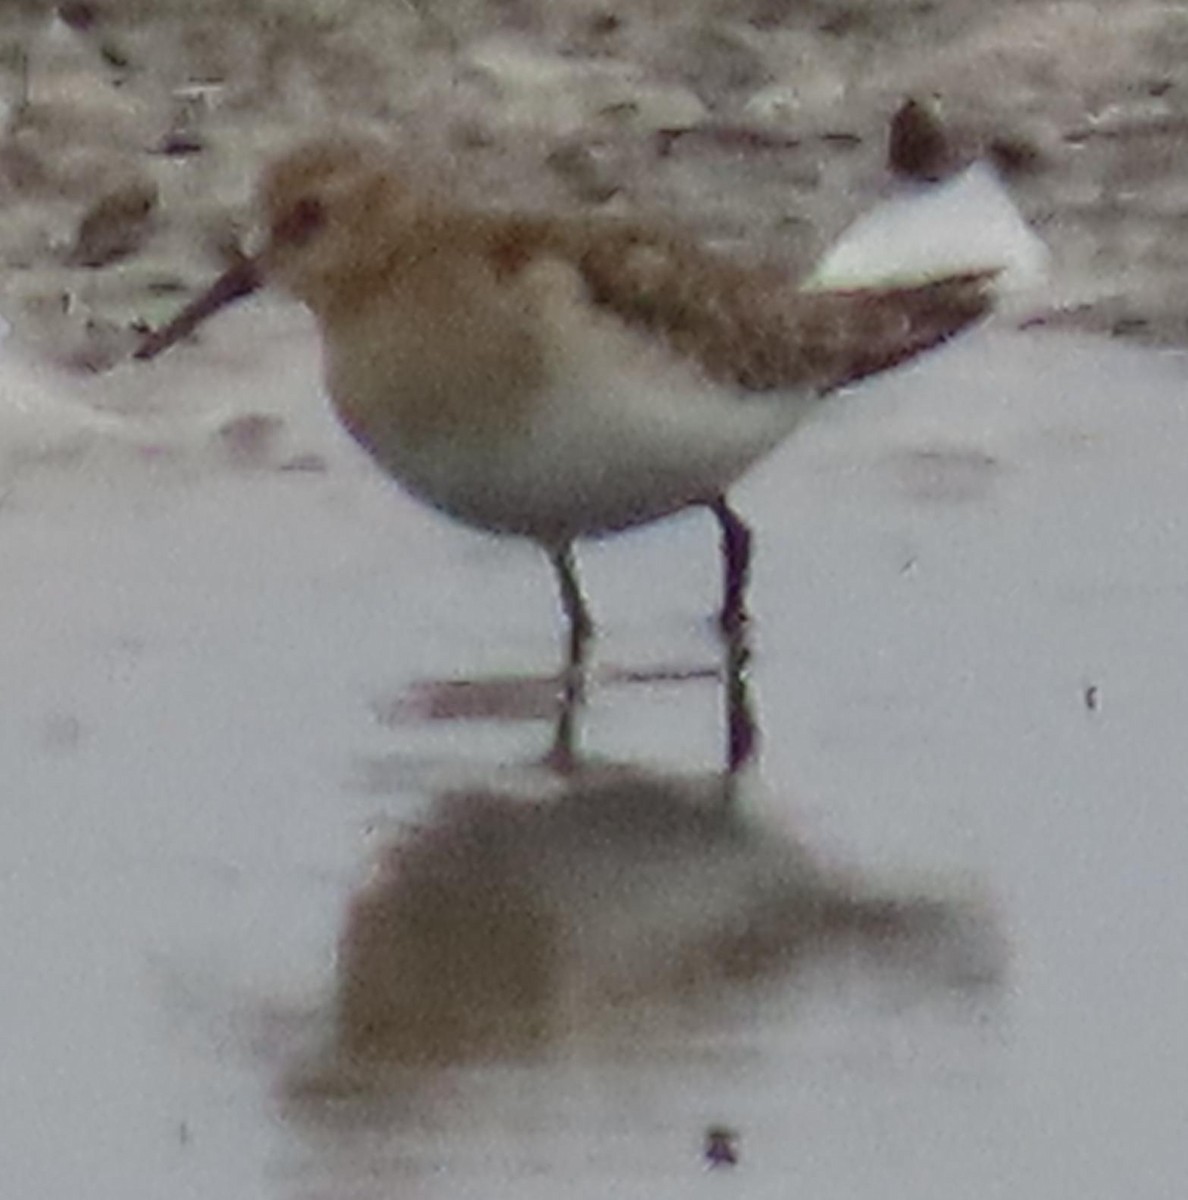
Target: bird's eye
300	223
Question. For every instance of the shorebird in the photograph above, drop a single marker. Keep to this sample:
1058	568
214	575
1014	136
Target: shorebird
560	378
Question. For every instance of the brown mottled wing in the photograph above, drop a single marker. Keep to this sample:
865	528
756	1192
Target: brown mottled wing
755	329
872	330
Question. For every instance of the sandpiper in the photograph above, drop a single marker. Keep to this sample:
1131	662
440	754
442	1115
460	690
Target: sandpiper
560	378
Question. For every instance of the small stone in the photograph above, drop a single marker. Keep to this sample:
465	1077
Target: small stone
79	15
584	172
1015	155
917	145
115	226
249	440
715	61
97	346
309	463
721	1147
604	24
115	56
180	143
22	168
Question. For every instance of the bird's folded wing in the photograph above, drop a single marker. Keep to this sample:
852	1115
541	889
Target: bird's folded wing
753	327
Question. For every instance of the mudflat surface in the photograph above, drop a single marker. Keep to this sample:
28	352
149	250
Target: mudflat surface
291	908
133	131
934	949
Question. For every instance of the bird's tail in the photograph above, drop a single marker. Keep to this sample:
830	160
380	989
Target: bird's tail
860	333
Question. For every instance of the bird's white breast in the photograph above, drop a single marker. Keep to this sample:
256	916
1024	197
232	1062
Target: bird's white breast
616	430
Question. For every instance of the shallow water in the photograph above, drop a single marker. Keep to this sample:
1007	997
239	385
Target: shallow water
934	949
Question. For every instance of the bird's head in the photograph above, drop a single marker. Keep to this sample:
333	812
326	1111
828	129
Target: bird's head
317	206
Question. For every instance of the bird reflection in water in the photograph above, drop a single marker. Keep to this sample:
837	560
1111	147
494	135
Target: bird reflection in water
534	913
742	737
561	699
537	909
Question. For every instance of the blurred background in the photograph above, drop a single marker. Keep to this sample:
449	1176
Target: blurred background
132	129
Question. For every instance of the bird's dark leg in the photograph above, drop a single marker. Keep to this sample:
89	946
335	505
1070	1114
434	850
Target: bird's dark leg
736	565
581	627
573	679
742	730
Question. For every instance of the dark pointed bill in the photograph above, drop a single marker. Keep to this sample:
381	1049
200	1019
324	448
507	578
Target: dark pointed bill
241	279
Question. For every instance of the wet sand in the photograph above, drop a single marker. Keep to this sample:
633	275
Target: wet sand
932	950
297	912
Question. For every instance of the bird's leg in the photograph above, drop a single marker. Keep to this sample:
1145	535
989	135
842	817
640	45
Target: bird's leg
573	679
736	564
742	730
581	627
